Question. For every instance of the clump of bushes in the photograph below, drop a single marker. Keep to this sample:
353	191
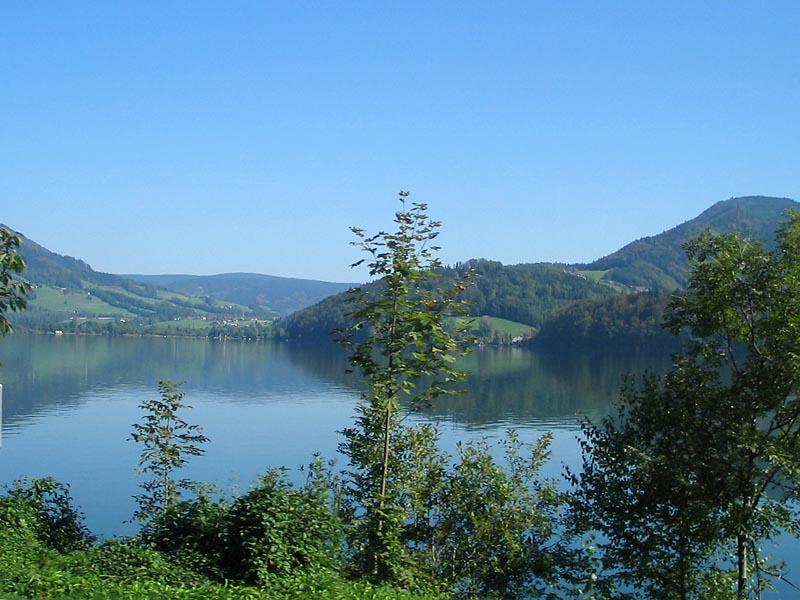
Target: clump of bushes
46	552
275	530
269	533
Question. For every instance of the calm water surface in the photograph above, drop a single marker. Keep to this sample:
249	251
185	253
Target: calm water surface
69	403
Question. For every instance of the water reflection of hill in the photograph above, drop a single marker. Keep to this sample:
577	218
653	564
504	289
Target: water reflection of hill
517	387
41	373
507	385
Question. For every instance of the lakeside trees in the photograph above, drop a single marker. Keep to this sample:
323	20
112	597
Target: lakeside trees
702	466
406	355
12	288
167	439
684	484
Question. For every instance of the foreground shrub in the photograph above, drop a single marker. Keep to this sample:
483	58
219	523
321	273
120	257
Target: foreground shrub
276	530
494	534
53	518
193	533
19	520
125	571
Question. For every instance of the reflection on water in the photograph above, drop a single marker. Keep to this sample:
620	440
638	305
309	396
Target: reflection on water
70	402
514	386
507	386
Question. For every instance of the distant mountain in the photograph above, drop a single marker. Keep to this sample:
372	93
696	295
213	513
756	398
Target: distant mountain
586	300
44	267
65	287
659	263
282	295
530	294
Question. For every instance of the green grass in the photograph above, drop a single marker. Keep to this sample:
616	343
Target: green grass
56	300
499	325
595	276
199	302
168	327
167	295
599	277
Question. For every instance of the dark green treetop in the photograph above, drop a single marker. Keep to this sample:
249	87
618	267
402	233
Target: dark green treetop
12	288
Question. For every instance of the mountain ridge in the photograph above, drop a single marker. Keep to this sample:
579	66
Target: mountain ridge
281	295
655	263
528	293
658	262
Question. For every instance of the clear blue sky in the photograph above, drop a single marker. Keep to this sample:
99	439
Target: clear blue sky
247	136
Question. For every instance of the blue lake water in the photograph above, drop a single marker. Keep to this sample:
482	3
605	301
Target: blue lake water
69	403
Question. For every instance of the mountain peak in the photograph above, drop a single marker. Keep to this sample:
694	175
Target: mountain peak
658	262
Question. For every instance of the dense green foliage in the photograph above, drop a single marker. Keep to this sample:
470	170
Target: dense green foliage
490	530
644	487
616	322
274	531
703	466
46	551
12	289
659	262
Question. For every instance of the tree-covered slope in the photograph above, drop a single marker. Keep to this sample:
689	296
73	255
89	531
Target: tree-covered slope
620	321
281	295
525	293
658	262
67	287
43	267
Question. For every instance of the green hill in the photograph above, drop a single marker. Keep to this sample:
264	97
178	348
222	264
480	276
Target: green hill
281	295
68	288
576	303
658	262
526	294
608	324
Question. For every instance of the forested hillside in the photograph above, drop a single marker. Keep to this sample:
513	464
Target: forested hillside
617	321
68	288
659	263
587	304
526	293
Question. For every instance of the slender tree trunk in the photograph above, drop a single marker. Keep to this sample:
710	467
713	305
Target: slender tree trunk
386	448
741	559
384	485
387	434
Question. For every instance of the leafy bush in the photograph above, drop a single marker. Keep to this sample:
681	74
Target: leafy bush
193	533
276	530
495	530
57	523
19	519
